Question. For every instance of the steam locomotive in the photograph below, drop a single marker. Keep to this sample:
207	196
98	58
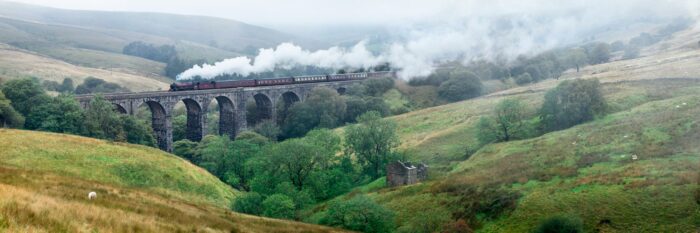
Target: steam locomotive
205	85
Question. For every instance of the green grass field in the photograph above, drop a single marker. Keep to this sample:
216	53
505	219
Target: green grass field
45	179
586	171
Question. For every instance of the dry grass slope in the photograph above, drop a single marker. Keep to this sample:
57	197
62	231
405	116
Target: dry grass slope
15	63
45	178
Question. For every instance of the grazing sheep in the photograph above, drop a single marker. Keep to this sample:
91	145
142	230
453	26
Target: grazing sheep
634	157
92	195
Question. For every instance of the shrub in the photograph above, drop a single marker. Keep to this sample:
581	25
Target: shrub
359	214
278	206
96	85
560	224
186	149
8	116
461	85
249	203
599	53
571	103
523	78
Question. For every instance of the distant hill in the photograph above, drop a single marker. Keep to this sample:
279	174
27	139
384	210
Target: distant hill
95	39
45	179
221	33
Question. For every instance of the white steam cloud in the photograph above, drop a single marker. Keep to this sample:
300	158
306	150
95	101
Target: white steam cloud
499	30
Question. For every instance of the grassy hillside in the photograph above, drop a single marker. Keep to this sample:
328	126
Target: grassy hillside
585	171
45	178
16	63
226	34
93	40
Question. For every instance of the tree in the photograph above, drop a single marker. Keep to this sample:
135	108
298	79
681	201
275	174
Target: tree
560	224
137	131
61	114
96	85
324	108
507	123
101	121
253	137
179	124
599	53
297	159
510	114
66	86
371	141
461	85
359	214
356	106
268	129
523	78
186	149
278	206
377	86
8	116
249	203
575	58
226	159
23	94
571	103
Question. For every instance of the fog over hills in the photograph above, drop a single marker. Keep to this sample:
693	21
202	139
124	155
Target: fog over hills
221	33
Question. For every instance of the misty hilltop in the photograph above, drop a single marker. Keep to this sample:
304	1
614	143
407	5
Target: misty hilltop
224	34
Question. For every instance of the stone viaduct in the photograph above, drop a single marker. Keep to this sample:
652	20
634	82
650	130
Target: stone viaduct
231	102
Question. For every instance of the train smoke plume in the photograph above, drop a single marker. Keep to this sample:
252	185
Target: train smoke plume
465	31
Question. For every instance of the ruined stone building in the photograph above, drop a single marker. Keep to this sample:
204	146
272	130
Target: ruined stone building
399	173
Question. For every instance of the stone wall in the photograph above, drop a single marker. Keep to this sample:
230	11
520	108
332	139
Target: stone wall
399	173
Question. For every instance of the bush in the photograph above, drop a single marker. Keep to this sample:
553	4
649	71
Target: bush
508	123
571	103
186	149
560	224
359	214
268	129
378	86
249	203
278	206
8	116
323	108
631	52
523	78
96	85
599	53
461	85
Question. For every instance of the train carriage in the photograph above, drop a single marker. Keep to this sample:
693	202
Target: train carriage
311	79
275	81
204	85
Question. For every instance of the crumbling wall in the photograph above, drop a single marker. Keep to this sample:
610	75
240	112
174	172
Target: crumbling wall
399	173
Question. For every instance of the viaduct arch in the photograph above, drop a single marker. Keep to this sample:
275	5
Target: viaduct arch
271	102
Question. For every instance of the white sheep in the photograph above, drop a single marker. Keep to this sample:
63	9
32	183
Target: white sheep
634	157
92	195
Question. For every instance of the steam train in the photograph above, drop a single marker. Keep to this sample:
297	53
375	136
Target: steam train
205	85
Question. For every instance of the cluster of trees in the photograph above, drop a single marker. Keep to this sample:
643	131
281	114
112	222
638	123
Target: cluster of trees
282	178
90	85
325	108
31	108
164	53
66	86
456	82
570	103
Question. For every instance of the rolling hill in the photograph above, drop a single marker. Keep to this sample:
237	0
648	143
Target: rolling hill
45	178
93	40
587	171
